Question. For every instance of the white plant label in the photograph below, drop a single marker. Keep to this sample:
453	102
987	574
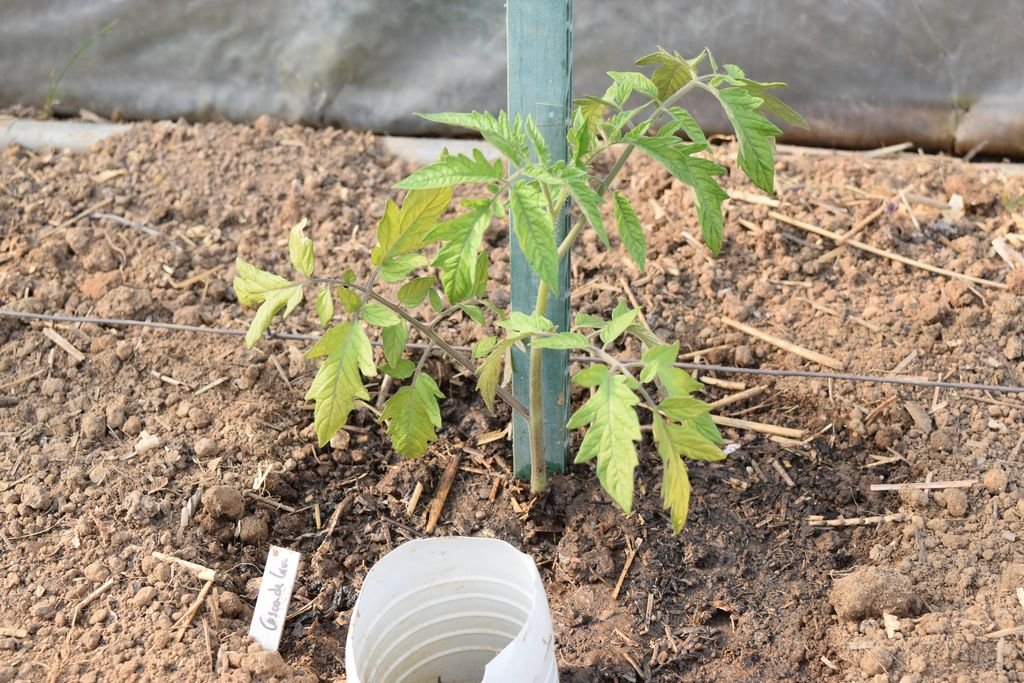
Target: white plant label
275	594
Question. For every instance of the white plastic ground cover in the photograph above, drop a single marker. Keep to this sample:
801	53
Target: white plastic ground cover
865	73
458	610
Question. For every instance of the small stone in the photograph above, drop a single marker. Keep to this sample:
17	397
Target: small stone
934	311
955	500
125	349
200	418
744	356
36	497
115	416
99	615
147	442
52	386
253	530
942	440
91	639
44	609
876	661
995	480
911	678
124	302
132	426
230	604
183	408
868	592
340	441
96	572
161	572
144	597
957	293
98	284
913	497
93	426
1014	348
265	663
205	447
224	501
1015	281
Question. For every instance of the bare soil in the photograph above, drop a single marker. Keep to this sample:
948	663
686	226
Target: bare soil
98	458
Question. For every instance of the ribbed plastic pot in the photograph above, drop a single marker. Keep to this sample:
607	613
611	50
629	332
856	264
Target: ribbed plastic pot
455	610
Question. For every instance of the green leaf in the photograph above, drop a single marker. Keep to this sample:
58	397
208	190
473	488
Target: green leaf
678	382
581	136
413	416
526	323
489	374
612	128
484	346
536	232
562	340
697	172
337	384
684	408
454	169
707	428
644	335
690	443
272	292
635	81
474	313
658	359
458	258
592	110
630	230
622	318
350	301
539	145
300	249
574	181
507	136
286	299
671	74
588	321
380	315
611	437
393	339
324	306
684	121
770	104
483	262
734	71
403	369
435	301
675	485
591	376
403	230
398	268
413	293
617	94
756	135
252	284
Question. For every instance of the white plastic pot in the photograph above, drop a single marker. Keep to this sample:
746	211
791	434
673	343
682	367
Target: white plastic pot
454	610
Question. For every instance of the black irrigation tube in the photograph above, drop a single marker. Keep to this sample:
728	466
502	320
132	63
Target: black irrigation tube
876	379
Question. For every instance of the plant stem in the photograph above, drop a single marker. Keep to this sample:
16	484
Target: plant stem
538	460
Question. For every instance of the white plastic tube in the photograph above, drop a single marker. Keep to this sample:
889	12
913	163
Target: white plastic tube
455	610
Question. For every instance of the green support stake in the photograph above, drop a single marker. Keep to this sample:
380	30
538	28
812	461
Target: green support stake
540	85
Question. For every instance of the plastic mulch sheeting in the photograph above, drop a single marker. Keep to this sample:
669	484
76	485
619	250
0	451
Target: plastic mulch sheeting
864	72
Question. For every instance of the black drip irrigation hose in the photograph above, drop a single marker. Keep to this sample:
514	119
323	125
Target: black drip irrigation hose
811	374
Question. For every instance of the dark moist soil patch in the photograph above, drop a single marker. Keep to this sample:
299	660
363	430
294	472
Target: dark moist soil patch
745	593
